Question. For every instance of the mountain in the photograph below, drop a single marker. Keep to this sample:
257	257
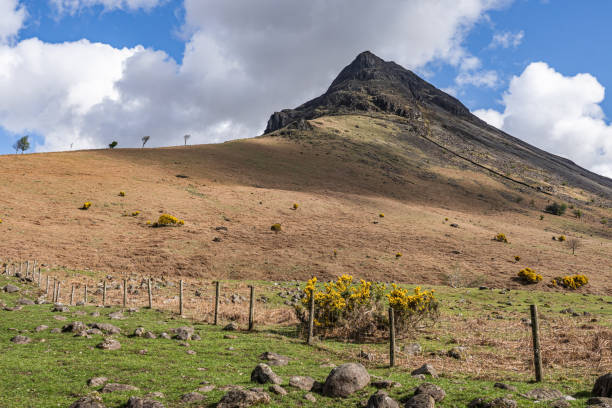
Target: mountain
370	85
382	164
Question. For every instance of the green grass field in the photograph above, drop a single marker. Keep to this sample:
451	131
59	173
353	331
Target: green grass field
52	370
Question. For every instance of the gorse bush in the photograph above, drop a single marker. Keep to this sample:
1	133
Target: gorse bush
86	205
135	213
296	206
398	255
528	275
571	282
381	215
276	227
167	220
561	238
122	194
556	208
500	238
517	258
360	311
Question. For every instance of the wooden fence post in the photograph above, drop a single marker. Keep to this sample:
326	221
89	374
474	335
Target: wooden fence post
537	357
85	295
104	293
27	268
47	285
39	278
391	337
311	318
150	294
181	297
54	289
216	303
57	296
72	295
124	293
252	308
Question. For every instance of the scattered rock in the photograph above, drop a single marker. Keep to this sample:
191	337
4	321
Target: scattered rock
190	352
106	328
60	308
301	382
233	326
604	401
459	352
183	333
413	349
505	387
40	328
496	403
155	394
455	225
10	288
207	388
165	336
91	401
21	339
238	398
137	402
74	327
25	302
149	335
60	318
560	403
386	384
230	337
543	394
264	374
139	332
421	401
436	392
109	344
192	397
366	356
13	309
97	381
425	369
56	330
114	387
381	400
277	389
274	359
309	397
115	315
603	386
344	380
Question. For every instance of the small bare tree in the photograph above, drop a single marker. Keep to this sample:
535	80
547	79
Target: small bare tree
573	244
186	137
145	139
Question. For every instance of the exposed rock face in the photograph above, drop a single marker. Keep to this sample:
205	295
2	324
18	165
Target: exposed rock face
603	386
344	380
238	398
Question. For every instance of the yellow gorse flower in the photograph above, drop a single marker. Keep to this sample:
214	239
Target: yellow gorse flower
529	275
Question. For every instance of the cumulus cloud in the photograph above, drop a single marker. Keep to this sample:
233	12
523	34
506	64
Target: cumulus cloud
12	17
507	39
560	114
72	6
487	78
242	61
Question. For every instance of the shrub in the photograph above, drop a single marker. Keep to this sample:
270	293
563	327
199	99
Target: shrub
556	208
500	238
148	222
517	258
276	227
0	220
541	217
122	194
561	238
166	220
446	219
112	144
360	311
398	255
604	221
381	215
528	275
577	213
135	213
571	282
296	206
86	205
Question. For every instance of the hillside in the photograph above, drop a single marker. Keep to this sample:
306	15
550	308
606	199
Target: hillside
419	161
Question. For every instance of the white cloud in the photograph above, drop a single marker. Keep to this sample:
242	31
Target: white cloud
560	114
480	78
72	6
12	17
507	39
244	60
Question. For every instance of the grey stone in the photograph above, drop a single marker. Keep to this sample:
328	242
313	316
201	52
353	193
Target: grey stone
381	400
344	380
277	389
505	387
239	398
115	315
21	339
149	335
137	402
301	382
91	401
25	302
183	333
232	326
421	401
425	369
10	288
60	308
114	387
56	330
603	386
106	328
139	332
97	381
274	359
309	397
109	344
459	352
207	388
386	384
74	327
192	397
262	374
413	349
543	394
40	328
436	392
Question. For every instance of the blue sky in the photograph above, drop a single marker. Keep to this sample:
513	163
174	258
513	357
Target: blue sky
92	71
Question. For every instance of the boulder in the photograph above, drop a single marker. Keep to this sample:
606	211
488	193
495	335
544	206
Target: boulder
21	340
10	288
274	359
109	344
137	402
436	392
543	394
139	332
382	400
344	380
301	382
74	327
238	398
40	328
26	302
421	401
459	352
496	403
603	386
91	401
115	315
277	389
386	384
114	387
106	328
263	374
149	335
97	381
309	397
183	333
60	308
600	401
192	397
425	369
232	326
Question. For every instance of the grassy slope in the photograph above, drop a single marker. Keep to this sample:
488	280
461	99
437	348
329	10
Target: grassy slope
54	368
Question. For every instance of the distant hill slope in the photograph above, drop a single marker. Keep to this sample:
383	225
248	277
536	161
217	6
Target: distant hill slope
424	169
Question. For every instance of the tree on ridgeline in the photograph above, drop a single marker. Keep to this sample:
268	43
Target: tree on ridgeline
145	139
113	144
22	144
186	137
